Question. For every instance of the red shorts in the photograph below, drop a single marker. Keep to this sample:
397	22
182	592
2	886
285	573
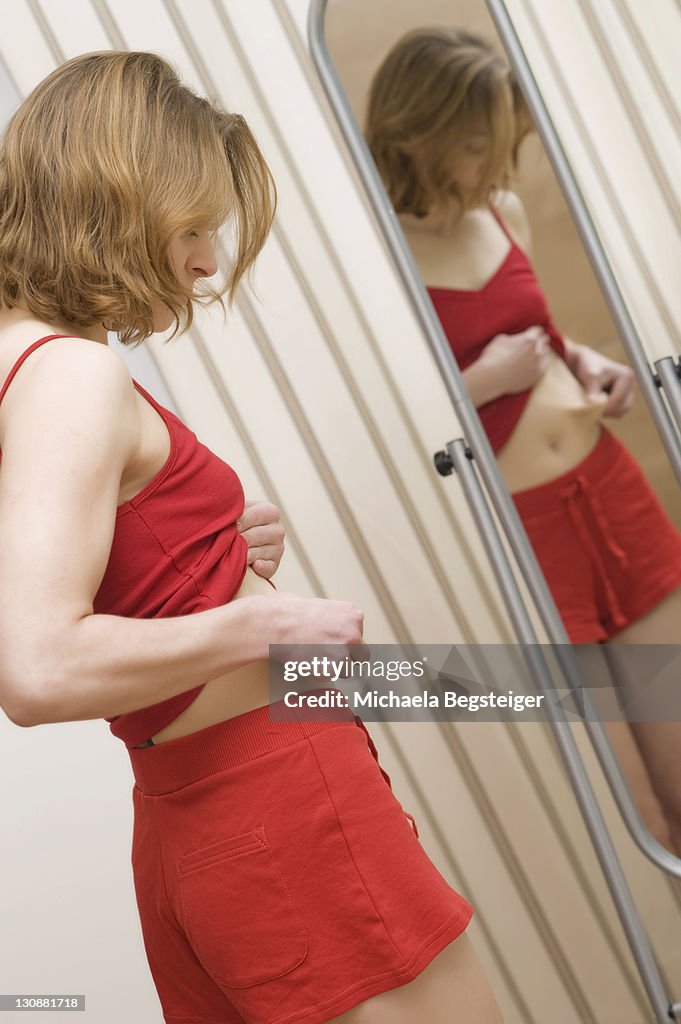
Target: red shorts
606	546
278	879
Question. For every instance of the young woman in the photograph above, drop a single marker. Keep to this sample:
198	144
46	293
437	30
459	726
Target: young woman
444	123
277	877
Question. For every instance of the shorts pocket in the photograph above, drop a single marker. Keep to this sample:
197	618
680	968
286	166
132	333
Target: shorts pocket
238	913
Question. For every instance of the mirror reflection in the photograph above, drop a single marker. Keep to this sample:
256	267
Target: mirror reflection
449	131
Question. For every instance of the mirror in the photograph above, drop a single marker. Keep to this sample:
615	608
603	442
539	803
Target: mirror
513	289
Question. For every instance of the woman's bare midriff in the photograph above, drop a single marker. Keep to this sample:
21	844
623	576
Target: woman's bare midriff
558	428
233	694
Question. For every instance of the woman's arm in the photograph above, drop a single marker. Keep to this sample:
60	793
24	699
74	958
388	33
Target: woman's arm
482	384
65	443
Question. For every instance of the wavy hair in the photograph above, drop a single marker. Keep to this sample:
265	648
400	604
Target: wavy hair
102	164
432	90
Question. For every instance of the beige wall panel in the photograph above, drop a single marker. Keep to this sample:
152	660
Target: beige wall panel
654	122
77	29
27	39
661	36
598	116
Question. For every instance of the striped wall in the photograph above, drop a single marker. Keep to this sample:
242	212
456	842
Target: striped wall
620	122
322	394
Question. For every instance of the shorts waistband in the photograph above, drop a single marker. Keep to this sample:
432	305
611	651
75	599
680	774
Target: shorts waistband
166	767
594	467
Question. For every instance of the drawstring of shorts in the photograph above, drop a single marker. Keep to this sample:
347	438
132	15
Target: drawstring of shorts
581	492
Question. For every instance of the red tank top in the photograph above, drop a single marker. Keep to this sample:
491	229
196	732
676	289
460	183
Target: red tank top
175	549
509	302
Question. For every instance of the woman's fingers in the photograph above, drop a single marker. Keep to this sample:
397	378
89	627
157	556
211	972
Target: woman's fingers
257	513
267	552
264	534
622	393
264	567
270	535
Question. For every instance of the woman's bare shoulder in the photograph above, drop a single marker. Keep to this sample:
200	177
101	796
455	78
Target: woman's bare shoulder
67	371
64	354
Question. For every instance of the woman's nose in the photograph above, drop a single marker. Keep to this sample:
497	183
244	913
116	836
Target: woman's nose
205	263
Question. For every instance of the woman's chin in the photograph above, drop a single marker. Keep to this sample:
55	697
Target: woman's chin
164	319
163	324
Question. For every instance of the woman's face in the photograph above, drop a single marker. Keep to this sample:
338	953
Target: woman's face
192	255
469	161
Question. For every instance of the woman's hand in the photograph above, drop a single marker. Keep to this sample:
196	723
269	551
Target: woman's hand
510	363
597	374
317	620
264	535
291	622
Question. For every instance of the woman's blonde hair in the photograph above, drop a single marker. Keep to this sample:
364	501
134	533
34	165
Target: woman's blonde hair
433	90
103	163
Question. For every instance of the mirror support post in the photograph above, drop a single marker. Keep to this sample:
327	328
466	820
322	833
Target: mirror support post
587	230
669	374
480	449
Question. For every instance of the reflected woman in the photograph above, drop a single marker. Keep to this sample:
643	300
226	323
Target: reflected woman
444	123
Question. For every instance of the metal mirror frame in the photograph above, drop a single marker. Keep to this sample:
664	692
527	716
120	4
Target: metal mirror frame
475	447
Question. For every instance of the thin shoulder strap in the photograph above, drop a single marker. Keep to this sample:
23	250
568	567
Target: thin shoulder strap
502	224
23	356
145	394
